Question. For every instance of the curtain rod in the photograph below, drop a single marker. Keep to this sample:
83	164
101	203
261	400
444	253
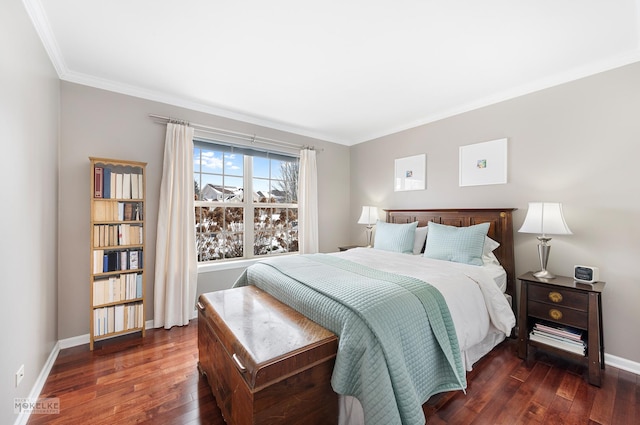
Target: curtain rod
252	138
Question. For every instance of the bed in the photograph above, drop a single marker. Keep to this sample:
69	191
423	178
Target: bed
401	340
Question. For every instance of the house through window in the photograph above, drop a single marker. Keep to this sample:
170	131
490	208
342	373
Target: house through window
246	202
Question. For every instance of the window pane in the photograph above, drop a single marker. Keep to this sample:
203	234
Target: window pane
219	233
233	190
211	189
276	168
275	230
287	184
211	161
260	167
233	164
196	160
261	190
196	185
261	218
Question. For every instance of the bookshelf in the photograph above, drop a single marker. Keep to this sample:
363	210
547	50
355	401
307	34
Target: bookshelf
117	240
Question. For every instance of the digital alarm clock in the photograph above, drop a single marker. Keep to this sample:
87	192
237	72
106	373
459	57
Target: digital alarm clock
586	274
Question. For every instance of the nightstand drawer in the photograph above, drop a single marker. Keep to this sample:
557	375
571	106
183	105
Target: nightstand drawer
559	297
559	314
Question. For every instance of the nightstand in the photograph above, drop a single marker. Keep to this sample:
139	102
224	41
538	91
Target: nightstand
348	247
563	303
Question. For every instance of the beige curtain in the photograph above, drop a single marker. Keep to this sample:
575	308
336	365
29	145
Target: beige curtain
176	263
308	203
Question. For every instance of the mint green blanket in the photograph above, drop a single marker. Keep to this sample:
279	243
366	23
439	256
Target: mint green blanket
397	342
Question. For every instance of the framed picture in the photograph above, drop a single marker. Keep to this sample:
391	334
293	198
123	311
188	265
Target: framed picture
410	173
483	163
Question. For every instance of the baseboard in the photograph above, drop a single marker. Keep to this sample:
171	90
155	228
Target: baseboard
74	341
23	417
620	363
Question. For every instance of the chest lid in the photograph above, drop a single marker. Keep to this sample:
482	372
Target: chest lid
267	340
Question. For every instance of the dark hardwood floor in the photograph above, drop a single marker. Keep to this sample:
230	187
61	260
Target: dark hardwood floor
155	380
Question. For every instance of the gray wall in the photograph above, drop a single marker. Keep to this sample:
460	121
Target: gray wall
577	143
29	109
105	124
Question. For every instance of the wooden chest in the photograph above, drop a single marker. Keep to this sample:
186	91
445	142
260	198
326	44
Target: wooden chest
265	362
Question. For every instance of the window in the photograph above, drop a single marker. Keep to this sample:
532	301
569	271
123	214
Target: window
244	198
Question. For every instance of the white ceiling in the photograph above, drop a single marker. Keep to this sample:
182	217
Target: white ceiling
345	71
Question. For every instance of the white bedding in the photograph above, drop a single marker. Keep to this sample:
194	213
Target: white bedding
471	292
475	296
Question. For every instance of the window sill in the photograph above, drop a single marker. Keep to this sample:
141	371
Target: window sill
230	265
227	265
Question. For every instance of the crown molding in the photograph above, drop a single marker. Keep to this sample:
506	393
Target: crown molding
38	17
157	96
552	81
43	29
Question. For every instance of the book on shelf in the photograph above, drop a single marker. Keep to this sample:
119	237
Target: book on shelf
113	186
124	287
117	318
97	180
134	186
129	211
126	186
106	185
133	260
117	260
561	331
563	337
115	183
124	260
100	211
98	265
119	179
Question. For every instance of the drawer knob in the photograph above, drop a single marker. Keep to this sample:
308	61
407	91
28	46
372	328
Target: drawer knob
555	297
555	314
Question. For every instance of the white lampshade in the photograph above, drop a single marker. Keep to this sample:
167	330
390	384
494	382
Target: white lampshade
545	218
369	216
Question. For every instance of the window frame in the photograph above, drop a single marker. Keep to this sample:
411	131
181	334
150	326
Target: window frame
248	204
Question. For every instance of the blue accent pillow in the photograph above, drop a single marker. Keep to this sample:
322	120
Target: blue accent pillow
395	237
458	244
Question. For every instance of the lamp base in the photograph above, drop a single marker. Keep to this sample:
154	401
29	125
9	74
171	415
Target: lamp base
544	274
543	252
369	234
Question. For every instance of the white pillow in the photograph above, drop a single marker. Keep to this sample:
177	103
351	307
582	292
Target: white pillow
489	245
488	257
420	238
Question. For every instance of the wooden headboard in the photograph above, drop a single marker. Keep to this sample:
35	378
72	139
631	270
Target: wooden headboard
500	229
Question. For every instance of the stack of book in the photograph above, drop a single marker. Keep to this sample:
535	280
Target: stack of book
563	337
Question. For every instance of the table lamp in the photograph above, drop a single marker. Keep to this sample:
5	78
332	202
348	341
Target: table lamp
544	218
369	217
